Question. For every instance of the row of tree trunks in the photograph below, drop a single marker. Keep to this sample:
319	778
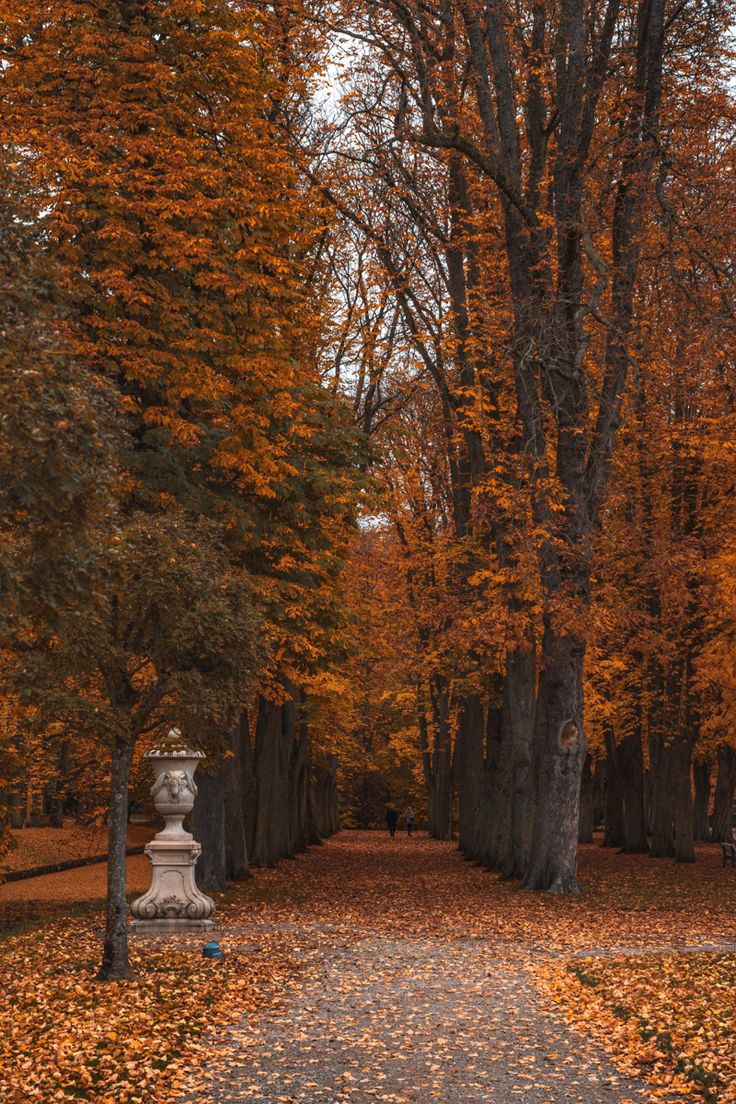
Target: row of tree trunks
671	801
528	826
267	799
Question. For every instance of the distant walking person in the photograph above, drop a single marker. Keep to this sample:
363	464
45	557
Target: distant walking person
392	819
410	821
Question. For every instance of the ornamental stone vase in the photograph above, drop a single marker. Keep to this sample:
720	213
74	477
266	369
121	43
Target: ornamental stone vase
173	903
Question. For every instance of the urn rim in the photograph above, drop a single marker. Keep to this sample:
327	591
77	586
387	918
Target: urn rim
172	746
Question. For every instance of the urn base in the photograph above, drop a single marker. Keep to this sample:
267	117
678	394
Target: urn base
170	927
174	897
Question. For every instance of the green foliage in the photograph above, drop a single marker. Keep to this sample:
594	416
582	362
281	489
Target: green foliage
169	635
57	424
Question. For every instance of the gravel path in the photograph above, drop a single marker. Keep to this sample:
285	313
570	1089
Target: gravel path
415	976
420	1020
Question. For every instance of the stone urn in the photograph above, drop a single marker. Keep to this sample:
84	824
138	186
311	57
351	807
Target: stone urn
173	903
174	788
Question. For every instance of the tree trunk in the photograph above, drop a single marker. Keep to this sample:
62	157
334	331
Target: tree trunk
585	831
299	784
333	823
247	766
286	846
209	828
313	813
519	705
115	964
440	803
663	843
28	808
561	747
613	803
470	771
630	760
682	800
266	851
498	774
437	759
724	795
325	795
701	806
599	789
236	839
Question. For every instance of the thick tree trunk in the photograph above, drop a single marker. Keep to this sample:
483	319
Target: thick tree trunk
613	802
599	788
333	822
630	760
470	773
682	800
236	837
295	801
250	797
115	964
219	819
498	779
724	795
325	795
585	830
286	845
701	805
300	777
519	705
663	842
501	790
265	804
269	830
561	746
313	818
440	797
648	815
437	759
209	827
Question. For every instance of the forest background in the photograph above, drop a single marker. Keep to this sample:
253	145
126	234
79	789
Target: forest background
368	398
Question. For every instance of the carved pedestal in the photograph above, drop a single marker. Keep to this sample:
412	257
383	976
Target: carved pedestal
173	903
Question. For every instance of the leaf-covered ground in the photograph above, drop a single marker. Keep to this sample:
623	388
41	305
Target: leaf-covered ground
32	847
671	1017
51	894
66	1037
372	969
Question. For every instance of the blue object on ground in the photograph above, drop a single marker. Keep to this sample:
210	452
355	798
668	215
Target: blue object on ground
212	950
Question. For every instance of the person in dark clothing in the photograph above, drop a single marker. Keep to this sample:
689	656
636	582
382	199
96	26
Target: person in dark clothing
392	819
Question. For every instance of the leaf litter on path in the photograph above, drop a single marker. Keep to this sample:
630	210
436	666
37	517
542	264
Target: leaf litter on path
418	978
